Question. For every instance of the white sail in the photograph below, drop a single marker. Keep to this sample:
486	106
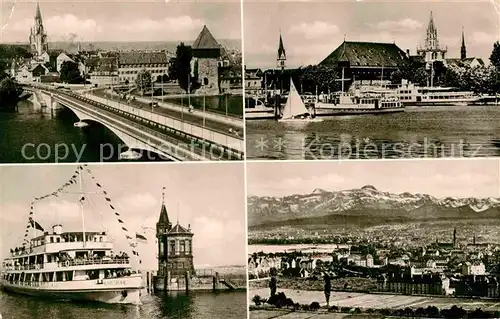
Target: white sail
294	105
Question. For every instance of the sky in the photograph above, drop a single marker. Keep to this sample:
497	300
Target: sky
210	198
311	30
139	20
441	178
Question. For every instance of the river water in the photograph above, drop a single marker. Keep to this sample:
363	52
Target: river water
453	131
33	136
193	305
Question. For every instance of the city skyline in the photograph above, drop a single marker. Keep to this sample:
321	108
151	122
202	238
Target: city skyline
217	217
454	178
121	21
312	30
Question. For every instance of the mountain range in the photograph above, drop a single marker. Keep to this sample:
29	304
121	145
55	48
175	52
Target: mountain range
365	205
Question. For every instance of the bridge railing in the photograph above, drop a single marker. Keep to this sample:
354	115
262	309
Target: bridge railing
179	150
147	127
189	128
204	137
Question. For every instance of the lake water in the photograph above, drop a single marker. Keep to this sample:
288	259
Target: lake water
194	305
51	137
454	131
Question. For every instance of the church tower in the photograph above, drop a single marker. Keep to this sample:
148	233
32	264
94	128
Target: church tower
38	37
281	60
431	50
463	49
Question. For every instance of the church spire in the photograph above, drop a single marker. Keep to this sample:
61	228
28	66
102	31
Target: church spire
431	40
38	15
463	49
281	54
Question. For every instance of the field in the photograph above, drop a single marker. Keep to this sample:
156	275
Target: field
378	301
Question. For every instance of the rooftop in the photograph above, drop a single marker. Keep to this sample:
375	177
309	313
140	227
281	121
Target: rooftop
142	58
371	54
205	40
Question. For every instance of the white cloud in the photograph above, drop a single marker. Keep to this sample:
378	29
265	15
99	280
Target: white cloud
315	30
402	25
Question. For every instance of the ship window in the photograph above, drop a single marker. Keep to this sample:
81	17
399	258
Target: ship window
51	239
100	239
95	239
58	239
59	276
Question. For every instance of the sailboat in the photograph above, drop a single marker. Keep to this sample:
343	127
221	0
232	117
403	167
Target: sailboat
295	109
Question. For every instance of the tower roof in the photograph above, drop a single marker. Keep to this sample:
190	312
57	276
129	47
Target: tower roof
281	50
163	215
205	40
38	15
179	230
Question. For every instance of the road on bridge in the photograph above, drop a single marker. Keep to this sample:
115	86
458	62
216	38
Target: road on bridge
193	118
183	142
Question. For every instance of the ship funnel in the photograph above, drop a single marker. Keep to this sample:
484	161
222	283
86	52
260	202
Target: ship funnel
57	229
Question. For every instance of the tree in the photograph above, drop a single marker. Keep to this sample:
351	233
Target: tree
172	69
324	77
70	73
143	81
183	57
495	55
9	94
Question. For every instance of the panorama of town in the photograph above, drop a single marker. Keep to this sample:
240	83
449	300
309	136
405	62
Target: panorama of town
184	100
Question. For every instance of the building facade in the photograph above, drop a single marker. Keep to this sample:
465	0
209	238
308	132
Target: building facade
131	63
38	37
175	253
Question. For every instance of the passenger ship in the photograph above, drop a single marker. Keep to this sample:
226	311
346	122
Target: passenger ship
412	95
77	266
357	103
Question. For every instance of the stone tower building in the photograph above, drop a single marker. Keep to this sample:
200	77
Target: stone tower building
175	254
38	37
207	53
432	51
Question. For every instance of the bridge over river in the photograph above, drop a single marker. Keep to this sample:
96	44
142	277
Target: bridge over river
166	132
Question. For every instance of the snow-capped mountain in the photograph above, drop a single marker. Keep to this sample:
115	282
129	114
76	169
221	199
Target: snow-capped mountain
368	201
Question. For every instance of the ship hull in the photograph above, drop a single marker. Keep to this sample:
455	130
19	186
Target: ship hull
353	111
125	290
111	296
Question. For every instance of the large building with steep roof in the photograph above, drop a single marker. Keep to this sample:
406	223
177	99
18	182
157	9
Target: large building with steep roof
366	61
207	53
175	248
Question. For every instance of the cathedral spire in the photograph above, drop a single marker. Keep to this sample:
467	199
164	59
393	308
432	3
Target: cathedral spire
431	40
463	49
38	15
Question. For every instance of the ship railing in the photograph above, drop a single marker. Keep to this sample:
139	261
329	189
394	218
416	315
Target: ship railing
72	263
